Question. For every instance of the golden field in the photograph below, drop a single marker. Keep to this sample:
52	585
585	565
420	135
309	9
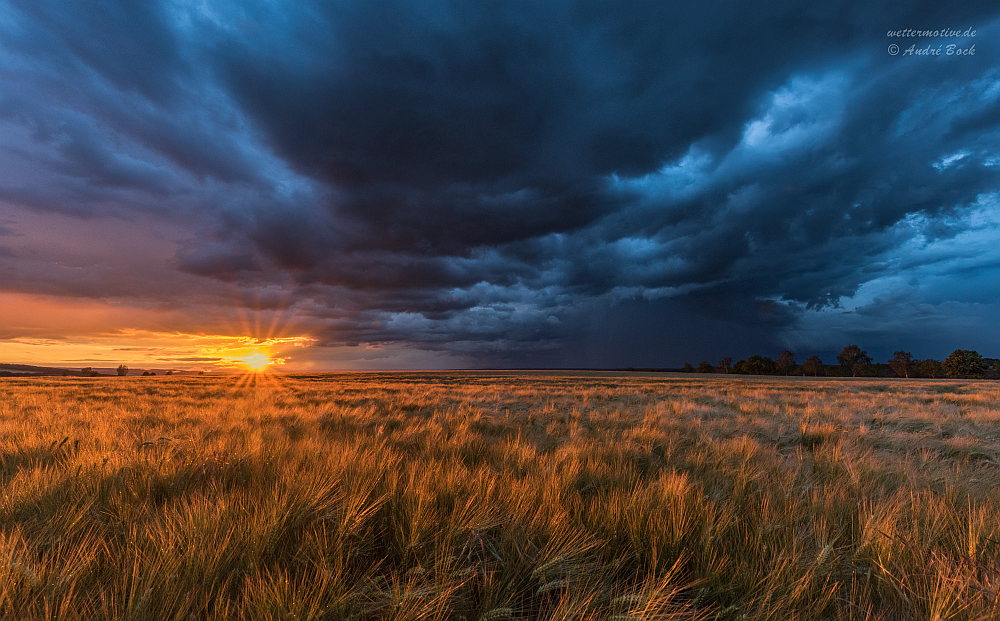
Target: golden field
495	496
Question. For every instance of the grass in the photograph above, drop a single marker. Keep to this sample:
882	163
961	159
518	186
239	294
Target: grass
493	496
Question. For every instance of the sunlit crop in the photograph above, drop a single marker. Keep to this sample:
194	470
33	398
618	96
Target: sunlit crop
491	496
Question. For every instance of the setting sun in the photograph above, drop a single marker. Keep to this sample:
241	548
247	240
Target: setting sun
256	362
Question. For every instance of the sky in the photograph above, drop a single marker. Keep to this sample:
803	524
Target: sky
415	185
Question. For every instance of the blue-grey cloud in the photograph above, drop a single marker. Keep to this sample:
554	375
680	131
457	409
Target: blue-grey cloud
525	182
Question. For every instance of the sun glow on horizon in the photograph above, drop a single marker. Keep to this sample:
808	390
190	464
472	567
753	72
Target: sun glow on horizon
51	331
256	362
141	349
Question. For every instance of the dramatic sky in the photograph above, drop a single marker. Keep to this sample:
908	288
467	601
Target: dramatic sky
439	184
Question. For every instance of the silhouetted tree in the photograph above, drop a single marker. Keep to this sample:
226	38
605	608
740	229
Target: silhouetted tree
813	365
860	369
122	370
145	373
726	365
964	363
688	368
760	365
704	367
86	370
929	368
901	363
740	367
853	359
786	362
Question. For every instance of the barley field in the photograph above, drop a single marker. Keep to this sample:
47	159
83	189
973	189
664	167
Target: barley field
499	496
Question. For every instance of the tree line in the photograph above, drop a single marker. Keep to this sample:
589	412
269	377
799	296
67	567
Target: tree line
855	362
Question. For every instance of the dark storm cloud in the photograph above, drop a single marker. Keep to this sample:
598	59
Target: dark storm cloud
450	174
130	44
446	127
105	110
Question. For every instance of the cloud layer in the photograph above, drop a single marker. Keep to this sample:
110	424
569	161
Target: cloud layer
519	183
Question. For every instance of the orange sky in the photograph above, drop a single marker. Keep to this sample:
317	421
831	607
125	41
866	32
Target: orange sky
102	292
78	332
89	333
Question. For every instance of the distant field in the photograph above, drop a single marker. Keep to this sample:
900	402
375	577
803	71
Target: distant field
493	496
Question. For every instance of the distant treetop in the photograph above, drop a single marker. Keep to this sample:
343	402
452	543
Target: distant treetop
965	363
